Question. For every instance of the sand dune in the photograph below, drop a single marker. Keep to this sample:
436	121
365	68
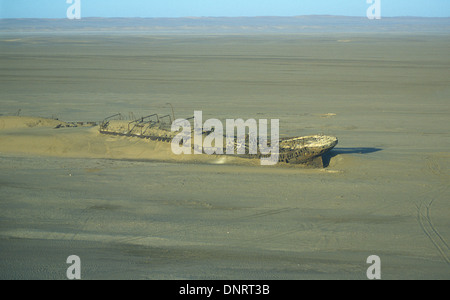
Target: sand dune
10	122
39	136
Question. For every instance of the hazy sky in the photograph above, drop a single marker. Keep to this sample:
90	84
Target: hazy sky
216	8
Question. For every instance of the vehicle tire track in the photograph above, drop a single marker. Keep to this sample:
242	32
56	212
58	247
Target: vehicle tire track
431	223
430	231
424	211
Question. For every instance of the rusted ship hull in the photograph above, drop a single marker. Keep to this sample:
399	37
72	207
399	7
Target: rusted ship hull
306	149
296	150
302	150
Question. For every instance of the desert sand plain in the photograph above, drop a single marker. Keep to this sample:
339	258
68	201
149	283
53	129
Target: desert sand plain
130	209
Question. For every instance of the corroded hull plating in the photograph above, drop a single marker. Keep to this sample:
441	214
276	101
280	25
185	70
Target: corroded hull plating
301	150
304	149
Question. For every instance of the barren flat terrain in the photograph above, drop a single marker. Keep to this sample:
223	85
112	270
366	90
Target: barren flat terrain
130	209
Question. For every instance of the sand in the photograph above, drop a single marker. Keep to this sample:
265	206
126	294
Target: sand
130	209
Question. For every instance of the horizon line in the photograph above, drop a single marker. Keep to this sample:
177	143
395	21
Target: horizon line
222	17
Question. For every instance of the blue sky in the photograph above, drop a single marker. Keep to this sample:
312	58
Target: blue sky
216	8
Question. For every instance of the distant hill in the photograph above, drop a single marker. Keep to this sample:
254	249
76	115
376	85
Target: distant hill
241	25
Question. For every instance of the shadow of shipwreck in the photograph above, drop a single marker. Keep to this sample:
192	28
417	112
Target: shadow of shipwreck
326	158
